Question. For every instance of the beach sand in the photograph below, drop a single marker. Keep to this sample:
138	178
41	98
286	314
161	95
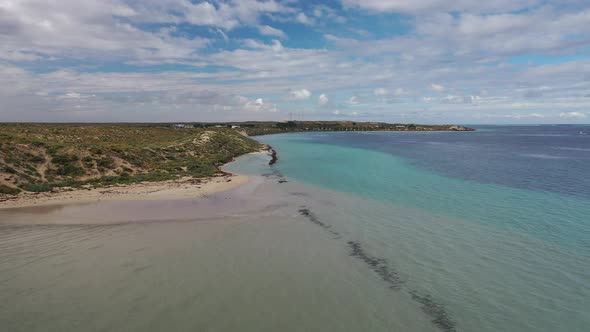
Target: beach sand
165	190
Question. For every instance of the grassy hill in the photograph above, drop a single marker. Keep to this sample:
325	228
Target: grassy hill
38	157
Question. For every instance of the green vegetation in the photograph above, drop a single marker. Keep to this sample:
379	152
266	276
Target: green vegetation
40	157
37	187
6	190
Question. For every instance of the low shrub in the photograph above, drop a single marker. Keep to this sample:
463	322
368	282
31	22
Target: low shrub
6	190
105	162
37	159
9	169
37	187
69	170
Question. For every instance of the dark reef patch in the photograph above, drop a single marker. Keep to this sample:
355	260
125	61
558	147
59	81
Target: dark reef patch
273	174
299	194
439	315
314	219
378	265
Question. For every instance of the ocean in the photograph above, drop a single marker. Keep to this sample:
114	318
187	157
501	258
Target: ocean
348	231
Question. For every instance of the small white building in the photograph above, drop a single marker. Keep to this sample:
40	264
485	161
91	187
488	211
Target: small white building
235	127
182	126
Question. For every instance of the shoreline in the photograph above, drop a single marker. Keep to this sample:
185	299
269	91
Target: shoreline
184	188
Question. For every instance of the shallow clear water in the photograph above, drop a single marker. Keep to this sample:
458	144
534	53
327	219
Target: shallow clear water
347	232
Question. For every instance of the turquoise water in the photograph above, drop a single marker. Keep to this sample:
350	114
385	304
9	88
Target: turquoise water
388	178
493	256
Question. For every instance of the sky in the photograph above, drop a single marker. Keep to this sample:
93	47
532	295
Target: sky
420	61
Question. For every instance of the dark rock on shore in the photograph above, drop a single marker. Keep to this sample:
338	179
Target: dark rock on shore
273	157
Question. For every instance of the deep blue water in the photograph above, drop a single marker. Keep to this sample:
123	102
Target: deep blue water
541	158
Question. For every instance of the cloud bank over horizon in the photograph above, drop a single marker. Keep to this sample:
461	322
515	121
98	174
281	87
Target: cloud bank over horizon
423	61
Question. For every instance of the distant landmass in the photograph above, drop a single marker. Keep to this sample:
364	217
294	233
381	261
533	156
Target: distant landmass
253	128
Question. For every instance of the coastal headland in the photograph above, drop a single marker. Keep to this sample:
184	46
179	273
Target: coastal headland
61	162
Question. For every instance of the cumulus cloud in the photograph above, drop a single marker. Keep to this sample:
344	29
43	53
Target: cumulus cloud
354	100
400	92
381	92
437	87
572	115
298	95
304	19
223	14
525	116
126	55
270	31
390	97
70	28
113	28
452	99
257	105
420	6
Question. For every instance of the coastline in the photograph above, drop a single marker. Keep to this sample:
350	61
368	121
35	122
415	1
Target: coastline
183	188
163	190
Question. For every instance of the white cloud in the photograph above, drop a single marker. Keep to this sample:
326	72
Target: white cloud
304	19
400	92
469	46
270	31
452	99
257	105
420	6
354	100
326	13
525	116
76	96
16	55
298	95
390	97
71	28
223	14
380	92
112	29
572	115
437	87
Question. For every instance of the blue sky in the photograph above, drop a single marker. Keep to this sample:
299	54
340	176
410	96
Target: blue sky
423	61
